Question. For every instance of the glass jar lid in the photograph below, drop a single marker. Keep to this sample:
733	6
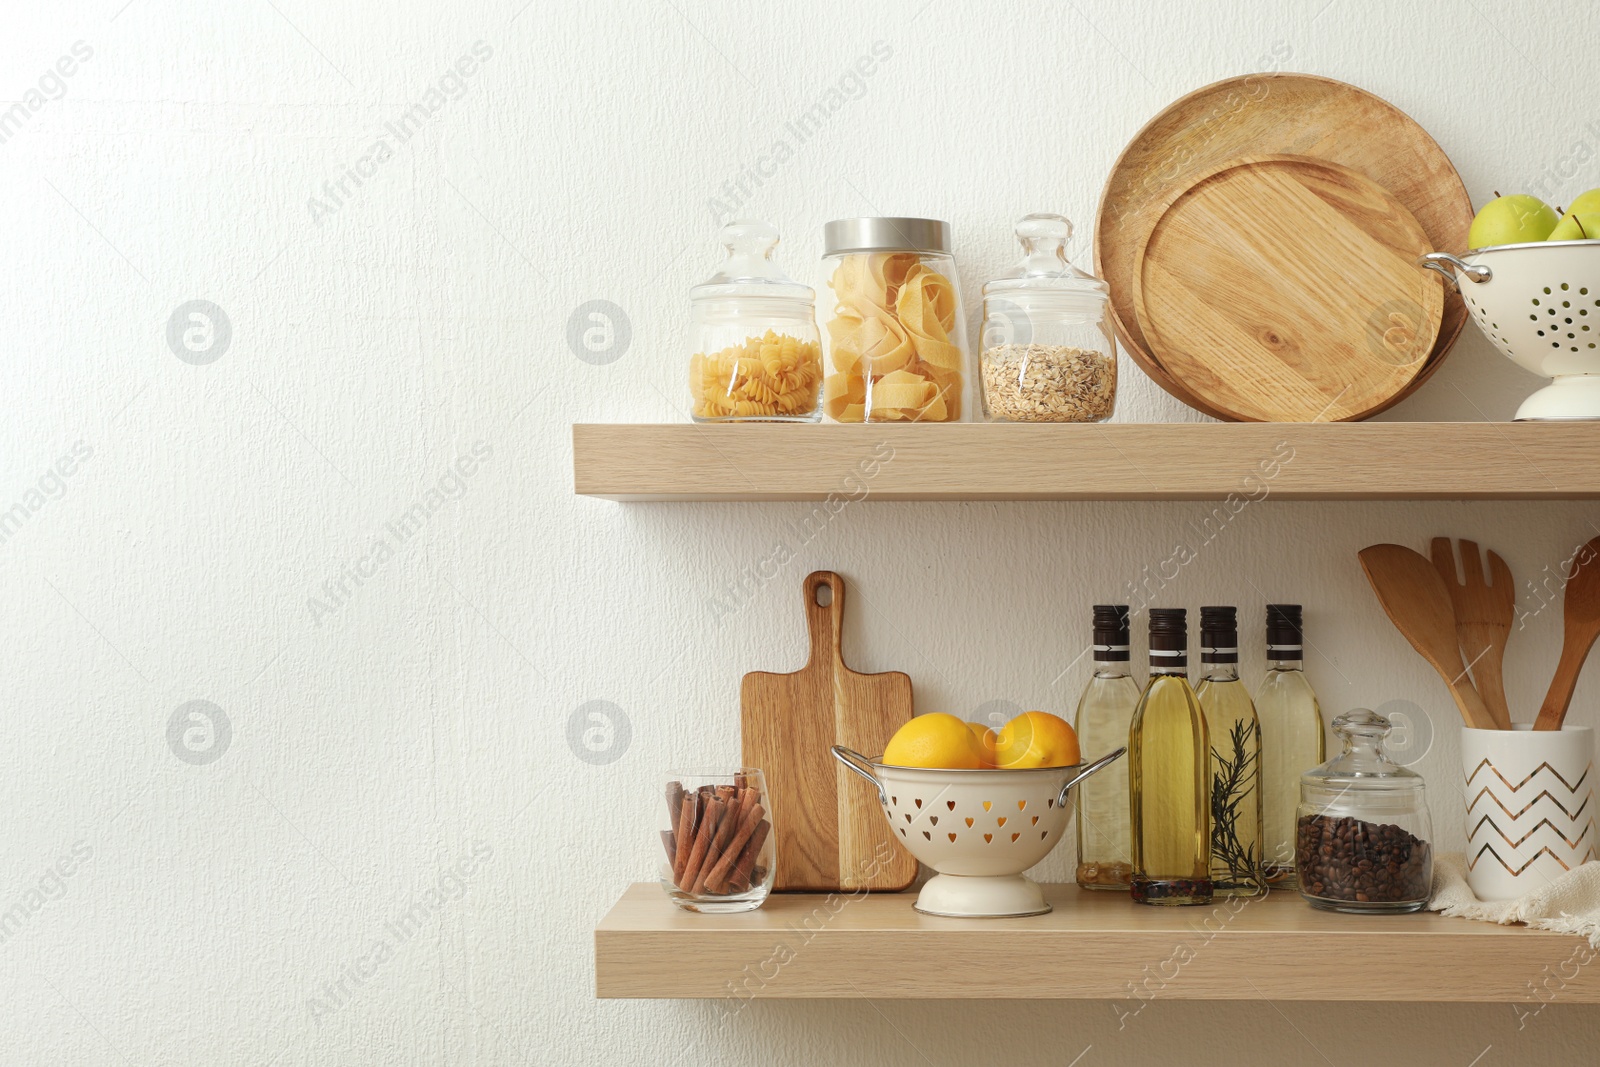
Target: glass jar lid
1362	782
886	234
749	270
1044	267
1362	732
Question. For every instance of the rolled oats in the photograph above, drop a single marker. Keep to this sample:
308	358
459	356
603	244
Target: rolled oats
1048	383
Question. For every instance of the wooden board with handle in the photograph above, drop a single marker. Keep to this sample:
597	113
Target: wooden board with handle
831	833
1282	288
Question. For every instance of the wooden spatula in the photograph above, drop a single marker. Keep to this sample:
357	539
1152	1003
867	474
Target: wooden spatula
1483	618
1416	601
1581	610
831	833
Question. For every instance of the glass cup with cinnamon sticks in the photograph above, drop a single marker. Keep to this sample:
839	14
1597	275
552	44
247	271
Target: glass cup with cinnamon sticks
716	838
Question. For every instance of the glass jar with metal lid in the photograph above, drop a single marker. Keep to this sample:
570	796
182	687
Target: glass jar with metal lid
897	346
1047	352
757	356
1363	838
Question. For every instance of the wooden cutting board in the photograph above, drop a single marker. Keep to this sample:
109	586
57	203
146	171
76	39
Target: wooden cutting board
1283	288
1261	114
831	833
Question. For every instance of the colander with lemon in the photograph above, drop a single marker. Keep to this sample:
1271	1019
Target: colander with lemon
978	806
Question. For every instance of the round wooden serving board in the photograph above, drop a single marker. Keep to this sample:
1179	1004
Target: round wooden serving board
1285	289
1267	114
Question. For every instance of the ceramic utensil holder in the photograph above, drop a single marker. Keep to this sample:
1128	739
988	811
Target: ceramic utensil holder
1528	812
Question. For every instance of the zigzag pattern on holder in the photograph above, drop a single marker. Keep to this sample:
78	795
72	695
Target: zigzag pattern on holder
1571	843
1571	786
1472	862
1543	794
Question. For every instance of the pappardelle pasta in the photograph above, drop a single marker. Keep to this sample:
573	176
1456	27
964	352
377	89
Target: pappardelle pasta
891	342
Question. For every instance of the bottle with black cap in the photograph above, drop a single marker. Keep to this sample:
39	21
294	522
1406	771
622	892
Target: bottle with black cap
1169	775
1105	713
1292	740
1235	758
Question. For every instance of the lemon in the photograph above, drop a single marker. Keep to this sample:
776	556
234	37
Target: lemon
986	743
1036	739
934	740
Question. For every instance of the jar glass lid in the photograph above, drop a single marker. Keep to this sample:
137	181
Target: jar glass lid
749	269
885	234
1362	732
1044	267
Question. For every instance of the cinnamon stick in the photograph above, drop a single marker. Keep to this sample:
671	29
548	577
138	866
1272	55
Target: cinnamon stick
669	841
685	838
738	879
674	803
718	879
732	819
702	843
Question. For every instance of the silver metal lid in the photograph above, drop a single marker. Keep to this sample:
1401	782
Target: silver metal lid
885	235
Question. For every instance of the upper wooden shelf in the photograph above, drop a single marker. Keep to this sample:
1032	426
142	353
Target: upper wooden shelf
1093	946
1112	461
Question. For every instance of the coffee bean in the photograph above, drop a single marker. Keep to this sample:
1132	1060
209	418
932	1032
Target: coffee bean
1350	859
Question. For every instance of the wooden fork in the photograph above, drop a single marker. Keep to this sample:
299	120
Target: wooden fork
1483	617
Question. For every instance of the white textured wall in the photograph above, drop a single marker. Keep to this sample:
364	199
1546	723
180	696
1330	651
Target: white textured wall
407	750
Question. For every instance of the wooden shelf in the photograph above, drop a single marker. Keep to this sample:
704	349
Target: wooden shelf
1114	461
1093	946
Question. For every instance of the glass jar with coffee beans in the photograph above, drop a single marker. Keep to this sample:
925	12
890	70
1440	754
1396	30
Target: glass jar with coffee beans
1362	834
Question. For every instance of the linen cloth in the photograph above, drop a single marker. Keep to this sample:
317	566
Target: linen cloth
1570	904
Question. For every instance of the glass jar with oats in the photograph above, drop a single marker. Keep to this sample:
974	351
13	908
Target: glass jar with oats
897	346
1048	354
757	356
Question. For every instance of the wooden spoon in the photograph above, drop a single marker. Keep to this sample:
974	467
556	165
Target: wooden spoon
1416	601
1581	610
1483	618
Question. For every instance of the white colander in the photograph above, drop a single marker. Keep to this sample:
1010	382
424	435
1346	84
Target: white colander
1539	304
978	829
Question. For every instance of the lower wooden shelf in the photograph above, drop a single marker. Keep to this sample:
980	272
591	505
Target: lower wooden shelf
1093	946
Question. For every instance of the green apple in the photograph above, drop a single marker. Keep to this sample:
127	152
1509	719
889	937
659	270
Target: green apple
1585	204
1584	227
1509	220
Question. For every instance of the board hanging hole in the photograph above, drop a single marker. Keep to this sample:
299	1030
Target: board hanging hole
824	595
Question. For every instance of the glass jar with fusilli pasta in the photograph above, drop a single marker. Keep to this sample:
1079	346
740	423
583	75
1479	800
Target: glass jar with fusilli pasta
756	352
897	340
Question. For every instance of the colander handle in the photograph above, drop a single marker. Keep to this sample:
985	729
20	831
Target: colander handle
1086	770
1443	261
855	761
